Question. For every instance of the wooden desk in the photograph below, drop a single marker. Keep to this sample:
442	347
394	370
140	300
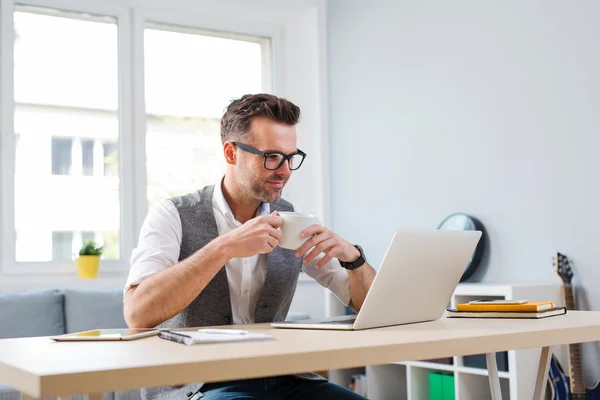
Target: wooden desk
39	367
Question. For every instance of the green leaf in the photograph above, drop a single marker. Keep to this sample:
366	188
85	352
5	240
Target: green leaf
89	248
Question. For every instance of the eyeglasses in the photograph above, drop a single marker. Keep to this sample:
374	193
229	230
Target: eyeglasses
274	159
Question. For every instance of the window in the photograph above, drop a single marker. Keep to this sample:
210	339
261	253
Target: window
61	156
66	106
87	157
183	112
66	245
92	152
85	236
110	161
110	243
62	246
116	109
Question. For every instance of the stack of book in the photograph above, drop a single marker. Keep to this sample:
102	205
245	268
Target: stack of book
506	309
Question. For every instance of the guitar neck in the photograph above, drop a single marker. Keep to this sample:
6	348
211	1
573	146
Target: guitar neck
569	297
575	366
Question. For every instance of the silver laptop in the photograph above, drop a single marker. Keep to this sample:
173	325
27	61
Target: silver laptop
414	283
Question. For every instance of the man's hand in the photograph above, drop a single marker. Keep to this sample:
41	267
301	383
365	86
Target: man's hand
325	241
257	236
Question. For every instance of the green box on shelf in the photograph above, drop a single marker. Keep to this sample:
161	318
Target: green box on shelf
441	386
435	386
448	387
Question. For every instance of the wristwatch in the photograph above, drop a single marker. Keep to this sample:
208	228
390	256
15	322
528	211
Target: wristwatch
358	262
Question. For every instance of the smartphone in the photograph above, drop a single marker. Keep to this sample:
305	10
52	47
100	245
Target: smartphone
498	301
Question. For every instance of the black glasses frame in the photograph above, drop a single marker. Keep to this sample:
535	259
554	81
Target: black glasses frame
284	157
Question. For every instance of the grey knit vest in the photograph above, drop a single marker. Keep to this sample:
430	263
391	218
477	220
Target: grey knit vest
213	305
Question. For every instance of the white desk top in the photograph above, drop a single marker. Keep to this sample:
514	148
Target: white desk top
40	367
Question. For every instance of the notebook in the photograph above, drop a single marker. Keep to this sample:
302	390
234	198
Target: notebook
212	336
454	313
532	306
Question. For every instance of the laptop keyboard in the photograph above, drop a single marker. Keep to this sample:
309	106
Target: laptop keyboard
345	321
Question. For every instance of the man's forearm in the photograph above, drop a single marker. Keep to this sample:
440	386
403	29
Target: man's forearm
165	294
360	283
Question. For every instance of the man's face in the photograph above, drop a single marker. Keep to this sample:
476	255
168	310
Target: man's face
253	178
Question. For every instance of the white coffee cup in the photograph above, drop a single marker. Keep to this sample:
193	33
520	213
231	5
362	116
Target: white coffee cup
294	223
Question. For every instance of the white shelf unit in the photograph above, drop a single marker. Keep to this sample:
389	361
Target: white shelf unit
410	379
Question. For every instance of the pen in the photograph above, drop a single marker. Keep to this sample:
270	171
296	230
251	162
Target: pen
174	337
224	331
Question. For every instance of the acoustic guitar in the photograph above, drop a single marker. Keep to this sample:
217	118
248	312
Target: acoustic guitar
569	385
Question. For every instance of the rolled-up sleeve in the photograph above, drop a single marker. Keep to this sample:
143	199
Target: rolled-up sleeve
332	276
158	246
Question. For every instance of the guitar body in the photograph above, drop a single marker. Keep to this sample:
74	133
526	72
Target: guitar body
559	381
569	385
560	388
593	393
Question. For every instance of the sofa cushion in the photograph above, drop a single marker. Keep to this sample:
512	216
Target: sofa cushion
7	393
105	396
93	309
31	313
128	395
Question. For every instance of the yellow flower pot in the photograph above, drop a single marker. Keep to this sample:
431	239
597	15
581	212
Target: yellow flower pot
87	266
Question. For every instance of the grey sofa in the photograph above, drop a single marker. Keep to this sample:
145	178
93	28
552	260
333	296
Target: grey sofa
54	312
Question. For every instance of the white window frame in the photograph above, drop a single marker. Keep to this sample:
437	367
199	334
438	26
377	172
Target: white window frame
7	245
132	114
206	21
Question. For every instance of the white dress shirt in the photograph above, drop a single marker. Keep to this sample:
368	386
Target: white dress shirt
160	241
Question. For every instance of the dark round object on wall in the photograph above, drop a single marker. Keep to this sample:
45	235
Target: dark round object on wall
465	222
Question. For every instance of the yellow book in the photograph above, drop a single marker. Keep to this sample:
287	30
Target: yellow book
506	314
505	306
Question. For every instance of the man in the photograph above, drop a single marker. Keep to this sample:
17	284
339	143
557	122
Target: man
212	258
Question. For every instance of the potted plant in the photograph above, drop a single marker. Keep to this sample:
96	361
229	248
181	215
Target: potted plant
88	261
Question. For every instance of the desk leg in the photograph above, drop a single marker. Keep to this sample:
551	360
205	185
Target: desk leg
542	376
492	368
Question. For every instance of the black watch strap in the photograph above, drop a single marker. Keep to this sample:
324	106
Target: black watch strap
359	262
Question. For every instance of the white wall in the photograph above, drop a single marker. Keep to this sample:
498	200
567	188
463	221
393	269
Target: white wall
489	108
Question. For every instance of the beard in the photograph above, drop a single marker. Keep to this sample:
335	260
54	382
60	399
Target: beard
258	189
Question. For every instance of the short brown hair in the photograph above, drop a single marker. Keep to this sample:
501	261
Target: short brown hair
239	113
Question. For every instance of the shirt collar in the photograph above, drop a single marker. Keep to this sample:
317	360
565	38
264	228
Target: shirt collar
223	207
